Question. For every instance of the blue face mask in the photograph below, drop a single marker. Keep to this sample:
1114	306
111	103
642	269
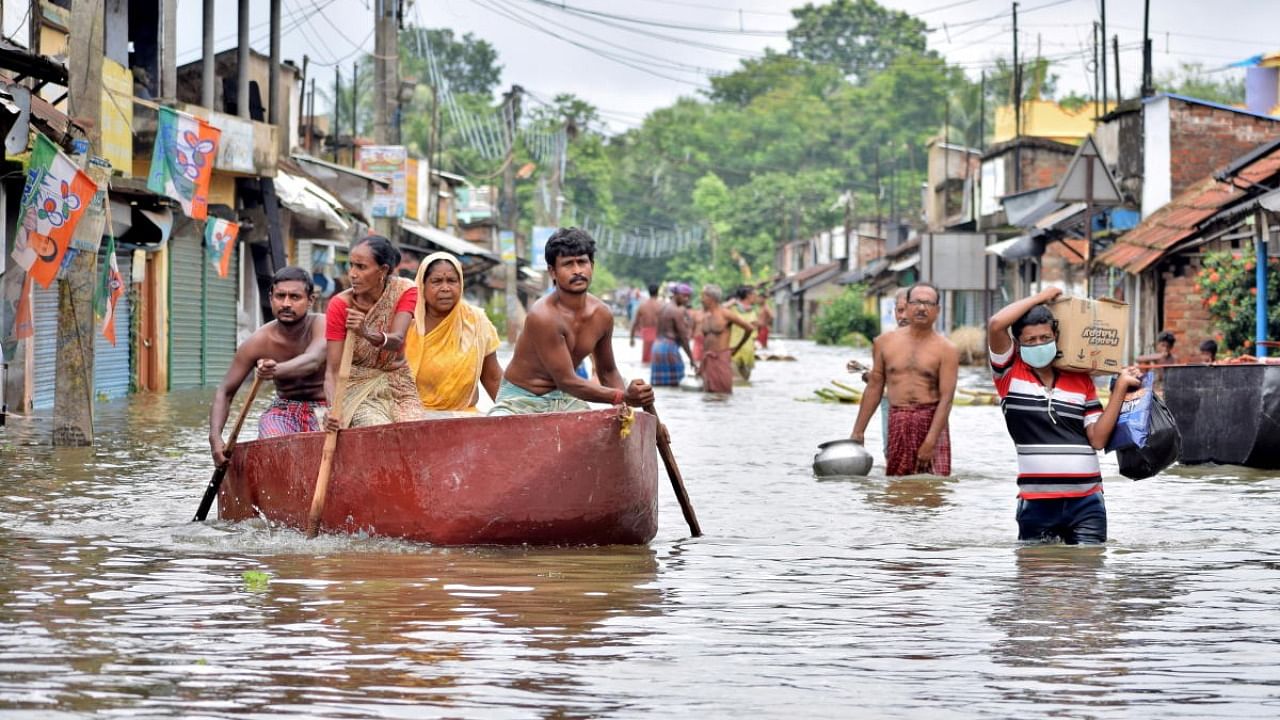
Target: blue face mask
1038	356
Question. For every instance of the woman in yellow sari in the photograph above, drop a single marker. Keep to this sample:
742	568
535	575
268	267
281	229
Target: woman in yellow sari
451	345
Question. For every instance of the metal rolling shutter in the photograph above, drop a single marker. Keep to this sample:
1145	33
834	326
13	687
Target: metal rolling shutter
186	300
219	319
44	309
111	371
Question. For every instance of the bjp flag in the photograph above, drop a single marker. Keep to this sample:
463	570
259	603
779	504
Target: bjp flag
53	199
220	235
182	162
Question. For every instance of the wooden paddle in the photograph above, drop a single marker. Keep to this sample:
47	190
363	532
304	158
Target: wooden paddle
673	472
330	440
220	472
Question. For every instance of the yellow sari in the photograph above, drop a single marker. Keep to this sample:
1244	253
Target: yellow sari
447	361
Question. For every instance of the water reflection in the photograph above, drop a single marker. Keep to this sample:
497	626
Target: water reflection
1072	622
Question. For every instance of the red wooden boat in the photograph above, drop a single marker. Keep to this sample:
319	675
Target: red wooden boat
553	479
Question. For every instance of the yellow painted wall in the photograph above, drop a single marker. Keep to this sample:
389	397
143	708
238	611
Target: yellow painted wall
1047	119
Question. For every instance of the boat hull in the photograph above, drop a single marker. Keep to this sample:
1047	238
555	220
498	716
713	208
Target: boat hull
552	479
1227	414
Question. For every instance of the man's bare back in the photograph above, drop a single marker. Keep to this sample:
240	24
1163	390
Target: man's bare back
648	312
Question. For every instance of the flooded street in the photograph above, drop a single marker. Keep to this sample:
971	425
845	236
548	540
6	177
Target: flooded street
868	597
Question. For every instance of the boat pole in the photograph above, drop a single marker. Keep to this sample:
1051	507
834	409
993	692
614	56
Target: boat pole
673	472
211	491
1260	277
330	440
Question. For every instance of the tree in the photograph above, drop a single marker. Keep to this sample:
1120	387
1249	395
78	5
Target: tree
1192	80
468	63
859	36
771	72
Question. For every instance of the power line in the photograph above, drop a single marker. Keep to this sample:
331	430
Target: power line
660	23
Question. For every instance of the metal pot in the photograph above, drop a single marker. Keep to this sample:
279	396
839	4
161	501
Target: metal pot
841	458
691	383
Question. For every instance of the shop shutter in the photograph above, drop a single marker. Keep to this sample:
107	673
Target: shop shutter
111	368
186	300
219	319
45	320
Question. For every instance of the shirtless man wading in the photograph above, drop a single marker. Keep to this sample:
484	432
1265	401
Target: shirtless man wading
562	329
646	323
920	368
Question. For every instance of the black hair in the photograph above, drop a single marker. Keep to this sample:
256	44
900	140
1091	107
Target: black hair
937	296
1210	347
1166	337
1038	315
653	289
743	292
293	273
384	253
570	242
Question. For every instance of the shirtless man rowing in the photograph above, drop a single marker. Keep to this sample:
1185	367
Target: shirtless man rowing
562	329
289	351
920	368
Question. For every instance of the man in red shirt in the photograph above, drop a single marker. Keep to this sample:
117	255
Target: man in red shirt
1056	422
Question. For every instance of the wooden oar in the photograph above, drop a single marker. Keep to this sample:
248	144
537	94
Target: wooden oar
330	440
673	472
220	472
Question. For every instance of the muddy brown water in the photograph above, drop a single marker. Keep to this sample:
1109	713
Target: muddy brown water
844	598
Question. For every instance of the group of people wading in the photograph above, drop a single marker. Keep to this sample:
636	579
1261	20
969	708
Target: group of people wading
1053	416
719	340
420	347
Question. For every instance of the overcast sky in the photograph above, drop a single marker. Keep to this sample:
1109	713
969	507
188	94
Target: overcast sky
651	70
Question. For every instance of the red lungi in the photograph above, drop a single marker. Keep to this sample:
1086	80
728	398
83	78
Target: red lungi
717	371
908	427
648	335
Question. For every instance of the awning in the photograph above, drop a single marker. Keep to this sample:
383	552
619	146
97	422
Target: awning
474	256
905	263
857	275
310	200
381	181
1016	248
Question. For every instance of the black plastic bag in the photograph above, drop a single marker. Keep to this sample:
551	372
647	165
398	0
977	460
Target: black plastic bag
1161	449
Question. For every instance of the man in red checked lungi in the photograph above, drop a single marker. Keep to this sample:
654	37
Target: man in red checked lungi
919	366
289	351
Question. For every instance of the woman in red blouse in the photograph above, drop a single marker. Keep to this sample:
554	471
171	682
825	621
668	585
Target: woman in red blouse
376	312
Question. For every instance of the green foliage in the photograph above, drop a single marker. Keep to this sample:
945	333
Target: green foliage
497	312
1227	284
859	36
470	64
256	580
844	316
1193	80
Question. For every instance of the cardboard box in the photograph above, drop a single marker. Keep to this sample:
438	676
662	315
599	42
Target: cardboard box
1091	334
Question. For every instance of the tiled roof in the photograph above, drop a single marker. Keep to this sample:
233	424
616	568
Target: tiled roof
1182	217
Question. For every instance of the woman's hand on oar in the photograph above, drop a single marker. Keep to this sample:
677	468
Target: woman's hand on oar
330	439
219	472
673	472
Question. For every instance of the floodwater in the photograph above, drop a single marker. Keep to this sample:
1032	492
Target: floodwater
850	598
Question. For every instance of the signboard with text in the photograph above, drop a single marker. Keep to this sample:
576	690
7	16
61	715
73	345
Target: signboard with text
390	162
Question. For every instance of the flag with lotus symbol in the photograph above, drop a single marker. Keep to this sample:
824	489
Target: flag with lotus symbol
53	199
110	288
182	161
220	236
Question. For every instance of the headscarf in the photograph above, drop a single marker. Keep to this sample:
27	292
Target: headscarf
446	361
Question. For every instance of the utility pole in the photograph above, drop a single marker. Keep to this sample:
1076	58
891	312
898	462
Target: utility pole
511	103
73	384
1017	78
335	131
1115	46
1148	87
1097	112
1103	36
386	87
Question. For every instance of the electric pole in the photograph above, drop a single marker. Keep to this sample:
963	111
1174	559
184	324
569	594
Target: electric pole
509	208
386	87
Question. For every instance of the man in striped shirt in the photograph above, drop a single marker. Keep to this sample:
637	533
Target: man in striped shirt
1056	422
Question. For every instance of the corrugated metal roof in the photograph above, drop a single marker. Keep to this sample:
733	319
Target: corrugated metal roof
1182	218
